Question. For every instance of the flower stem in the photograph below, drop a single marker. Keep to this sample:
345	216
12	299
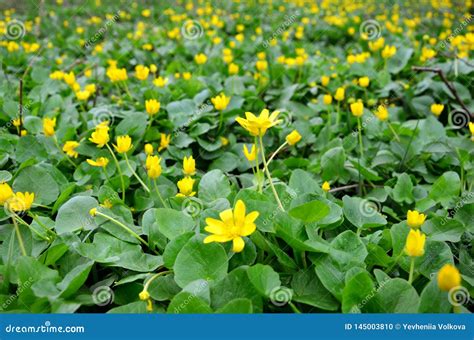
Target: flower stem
20	239
136	175
118	169
294	308
36	219
159	195
62	153
412	268
147	284
276	152
257	168
359	128
393	131
123	226
265	166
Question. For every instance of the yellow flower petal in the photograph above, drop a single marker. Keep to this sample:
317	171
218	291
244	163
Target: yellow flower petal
238	244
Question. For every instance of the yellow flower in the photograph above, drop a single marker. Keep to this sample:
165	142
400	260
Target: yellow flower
415	219
381	113
93	212
257	126
144	295
448	277
293	138
325	80
200	58
117	74
339	95
153	166
48	126
224	141
261	65
364	81
91	88
327	99
164	141
152	106
141	72
471	128
69	78
100	136
57	75
83	95
20	201
357	109
189	165
70	148
160	82
185	187
326	187
233	68
16	122
250	155
100	162
146	13
153	68
124	144
415	244
232	226
148	149
377	44
187	75
6	192
436	109
220	102
388	51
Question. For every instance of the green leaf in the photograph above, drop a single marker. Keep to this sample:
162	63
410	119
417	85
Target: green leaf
74	215
309	290
173	223
110	251
362	213
237	306
394	296
163	288
214	185
187	303
310	212
446	188
36	179
348	250
264	279
74	280
197	260
174	247
357	289
403	190
442	229
434	300
332	164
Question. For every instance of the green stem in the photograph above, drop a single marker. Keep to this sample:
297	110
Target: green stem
119	170
159	195
36	219
265	166
20	239
276	152
147	284
393	131
412	268
135	174
123	226
20	220
257	162
294	308
359	128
